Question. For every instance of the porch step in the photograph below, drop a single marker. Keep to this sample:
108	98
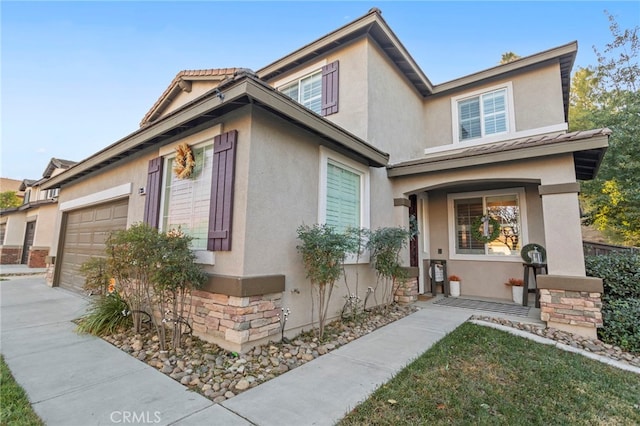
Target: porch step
481	305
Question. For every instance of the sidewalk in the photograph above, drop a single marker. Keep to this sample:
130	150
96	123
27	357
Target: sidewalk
82	380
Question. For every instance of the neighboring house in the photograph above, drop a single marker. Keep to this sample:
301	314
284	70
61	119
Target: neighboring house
348	131
7	184
27	231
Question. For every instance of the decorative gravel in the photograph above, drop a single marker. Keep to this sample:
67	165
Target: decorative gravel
219	374
595	346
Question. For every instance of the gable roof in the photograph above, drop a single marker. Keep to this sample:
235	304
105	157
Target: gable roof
56	163
370	24
182	83
243	89
373	25
588	148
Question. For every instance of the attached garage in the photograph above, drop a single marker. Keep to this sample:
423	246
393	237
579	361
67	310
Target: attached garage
85	232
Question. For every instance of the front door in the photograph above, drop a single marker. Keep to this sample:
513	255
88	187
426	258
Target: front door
28	241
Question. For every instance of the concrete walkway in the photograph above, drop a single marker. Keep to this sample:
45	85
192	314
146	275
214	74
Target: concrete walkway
81	380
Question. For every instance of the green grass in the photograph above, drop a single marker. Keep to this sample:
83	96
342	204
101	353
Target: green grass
15	408
477	376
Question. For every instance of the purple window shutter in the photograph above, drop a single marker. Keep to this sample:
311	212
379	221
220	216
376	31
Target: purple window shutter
152	202
221	209
330	88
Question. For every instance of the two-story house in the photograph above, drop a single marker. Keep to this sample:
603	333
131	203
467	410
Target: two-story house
347	130
27	231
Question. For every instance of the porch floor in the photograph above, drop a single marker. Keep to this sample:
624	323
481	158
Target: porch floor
489	307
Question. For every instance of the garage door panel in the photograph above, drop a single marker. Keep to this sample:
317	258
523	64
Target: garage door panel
85	236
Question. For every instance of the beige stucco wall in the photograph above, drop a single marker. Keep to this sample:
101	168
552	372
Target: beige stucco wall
14	233
280	199
396	118
198	88
45	224
537	98
553	220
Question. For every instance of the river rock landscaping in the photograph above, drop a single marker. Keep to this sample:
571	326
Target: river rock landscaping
219	374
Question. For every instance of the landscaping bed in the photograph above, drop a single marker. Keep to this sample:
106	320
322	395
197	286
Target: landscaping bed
219	374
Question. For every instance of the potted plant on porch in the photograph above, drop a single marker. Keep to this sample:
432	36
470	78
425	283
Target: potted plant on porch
517	286
454	285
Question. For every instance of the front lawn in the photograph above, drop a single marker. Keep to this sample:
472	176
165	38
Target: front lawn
479	375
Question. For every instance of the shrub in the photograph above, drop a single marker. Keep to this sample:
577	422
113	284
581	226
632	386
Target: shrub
107	315
620	273
323	252
385	245
622	324
96	278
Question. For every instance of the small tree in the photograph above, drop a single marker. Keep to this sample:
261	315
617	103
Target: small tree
9	199
96	275
385	245
174	278
323	252
356	246
133	259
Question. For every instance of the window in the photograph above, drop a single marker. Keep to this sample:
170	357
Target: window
316	87
185	202
482	115
344	192
27	196
505	207
3	230
307	91
52	193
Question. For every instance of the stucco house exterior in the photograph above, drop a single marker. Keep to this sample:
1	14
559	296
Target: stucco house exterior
27	231
349	131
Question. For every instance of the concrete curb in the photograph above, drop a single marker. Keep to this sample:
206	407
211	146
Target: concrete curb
564	347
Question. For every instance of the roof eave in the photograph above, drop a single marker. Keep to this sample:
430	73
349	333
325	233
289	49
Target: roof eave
597	143
196	116
371	24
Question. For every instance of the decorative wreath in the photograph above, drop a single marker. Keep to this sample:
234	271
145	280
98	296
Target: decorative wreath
477	225
524	253
184	162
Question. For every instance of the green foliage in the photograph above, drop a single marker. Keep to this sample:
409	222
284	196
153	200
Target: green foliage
107	315
477	376
175	276
385	245
154	275
15	408
96	276
508	57
607	95
323	253
9	199
622	324
620	273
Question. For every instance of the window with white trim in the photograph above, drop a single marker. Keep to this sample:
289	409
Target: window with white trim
3	231
505	207
344	192
483	114
185	202
307	91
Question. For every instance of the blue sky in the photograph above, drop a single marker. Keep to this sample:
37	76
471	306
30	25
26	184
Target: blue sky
78	76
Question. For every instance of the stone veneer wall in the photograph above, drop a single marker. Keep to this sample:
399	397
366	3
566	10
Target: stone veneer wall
407	292
236	323
579	308
10	255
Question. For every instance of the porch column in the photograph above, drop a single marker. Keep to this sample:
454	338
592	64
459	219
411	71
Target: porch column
562	232
407	291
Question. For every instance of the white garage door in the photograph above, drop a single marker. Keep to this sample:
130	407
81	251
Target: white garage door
85	234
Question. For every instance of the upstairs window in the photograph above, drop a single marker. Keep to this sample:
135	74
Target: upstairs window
306	91
482	114
317	90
